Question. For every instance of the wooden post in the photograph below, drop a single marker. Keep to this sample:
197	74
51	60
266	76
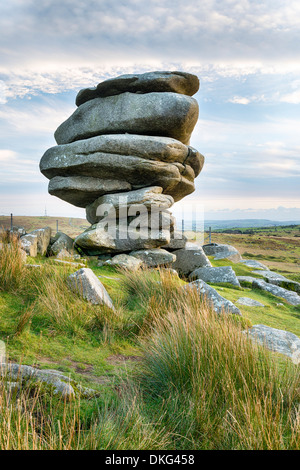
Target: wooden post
11	222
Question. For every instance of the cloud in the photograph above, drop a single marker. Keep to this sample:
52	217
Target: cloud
292	98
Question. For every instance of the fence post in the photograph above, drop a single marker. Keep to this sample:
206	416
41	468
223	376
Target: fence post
11	222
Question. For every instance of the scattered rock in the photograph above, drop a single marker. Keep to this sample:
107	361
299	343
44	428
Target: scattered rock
54	382
147	197
222	252
219	303
154	257
29	244
249	302
87	284
83	190
254	264
292	298
70	263
246	281
280	341
187	260
279	280
216	275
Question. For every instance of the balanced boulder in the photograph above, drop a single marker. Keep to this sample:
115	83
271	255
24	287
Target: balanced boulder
128	141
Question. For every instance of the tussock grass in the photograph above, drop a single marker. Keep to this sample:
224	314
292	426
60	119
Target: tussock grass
218	390
33	421
202	384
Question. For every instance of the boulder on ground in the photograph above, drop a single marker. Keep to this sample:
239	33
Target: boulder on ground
252	263
160	114
246	281
154	257
280	341
279	280
292	298
43	239
61	241
216	275
210	295
19	231
221	251
188	259
175	82
63	254
124	261
86	284
249	302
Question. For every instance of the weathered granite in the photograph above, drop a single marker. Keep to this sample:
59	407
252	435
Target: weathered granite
187	260
249	302
213	298
85	283
292	298
280	341
175	82
216	275
221	251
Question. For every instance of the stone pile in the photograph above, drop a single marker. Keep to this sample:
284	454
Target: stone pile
124	155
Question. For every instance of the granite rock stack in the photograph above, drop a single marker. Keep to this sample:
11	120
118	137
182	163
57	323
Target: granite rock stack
124	156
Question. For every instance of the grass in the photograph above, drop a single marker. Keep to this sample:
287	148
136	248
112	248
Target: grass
172	374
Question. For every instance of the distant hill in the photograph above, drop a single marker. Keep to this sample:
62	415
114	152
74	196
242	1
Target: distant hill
70	226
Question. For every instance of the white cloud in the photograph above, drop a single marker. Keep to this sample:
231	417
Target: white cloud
292	98
239	100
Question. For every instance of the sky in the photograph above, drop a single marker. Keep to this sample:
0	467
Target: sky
246	54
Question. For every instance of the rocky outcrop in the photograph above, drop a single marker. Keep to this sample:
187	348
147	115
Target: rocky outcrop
161	114
128	141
